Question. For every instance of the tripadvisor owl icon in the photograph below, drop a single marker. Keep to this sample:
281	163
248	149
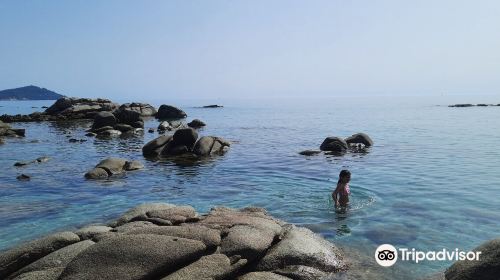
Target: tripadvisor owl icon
386	255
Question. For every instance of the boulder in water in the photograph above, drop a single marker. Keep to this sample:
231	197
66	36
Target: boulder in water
210	145
333	144
309	153
112	166
360	138
196	123
170	112
144	110
103	119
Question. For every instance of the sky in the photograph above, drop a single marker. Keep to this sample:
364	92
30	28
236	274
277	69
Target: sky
259	48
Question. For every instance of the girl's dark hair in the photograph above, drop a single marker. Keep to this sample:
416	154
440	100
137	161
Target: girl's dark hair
344	173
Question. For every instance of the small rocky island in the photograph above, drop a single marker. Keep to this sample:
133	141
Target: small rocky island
165	241
29	93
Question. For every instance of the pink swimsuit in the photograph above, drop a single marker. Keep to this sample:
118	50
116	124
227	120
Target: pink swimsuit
344	195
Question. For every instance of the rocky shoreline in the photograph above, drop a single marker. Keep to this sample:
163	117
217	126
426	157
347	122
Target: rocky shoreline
165	241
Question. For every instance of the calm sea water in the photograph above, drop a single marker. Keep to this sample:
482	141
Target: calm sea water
431	180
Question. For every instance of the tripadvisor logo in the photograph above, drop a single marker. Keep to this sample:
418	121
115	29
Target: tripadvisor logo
387	255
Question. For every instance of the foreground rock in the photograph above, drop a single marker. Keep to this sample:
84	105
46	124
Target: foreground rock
185	141
223	244
112	166
170	112
486	268
133	257
19	257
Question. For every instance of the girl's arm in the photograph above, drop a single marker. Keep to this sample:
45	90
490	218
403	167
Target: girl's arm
335	195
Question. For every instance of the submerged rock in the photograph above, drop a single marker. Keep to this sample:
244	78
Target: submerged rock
112	166
6	130
334	144
309	153
170	112
23	177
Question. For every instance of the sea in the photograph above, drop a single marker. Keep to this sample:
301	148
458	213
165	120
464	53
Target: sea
431	181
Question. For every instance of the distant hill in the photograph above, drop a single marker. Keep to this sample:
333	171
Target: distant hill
29	93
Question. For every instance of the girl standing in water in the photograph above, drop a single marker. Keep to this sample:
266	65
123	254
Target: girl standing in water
341	193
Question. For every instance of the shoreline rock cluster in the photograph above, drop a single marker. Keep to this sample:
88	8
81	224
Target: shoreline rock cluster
165	241
72	108
337	145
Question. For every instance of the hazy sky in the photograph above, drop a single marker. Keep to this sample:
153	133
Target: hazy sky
211	49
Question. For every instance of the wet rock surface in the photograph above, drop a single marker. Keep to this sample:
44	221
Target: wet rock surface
222	244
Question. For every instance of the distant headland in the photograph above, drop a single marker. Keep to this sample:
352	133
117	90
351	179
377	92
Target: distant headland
29	93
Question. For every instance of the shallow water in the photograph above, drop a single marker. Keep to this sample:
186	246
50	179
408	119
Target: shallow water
431	180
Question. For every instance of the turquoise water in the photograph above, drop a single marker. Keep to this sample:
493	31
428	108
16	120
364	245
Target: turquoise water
431	180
